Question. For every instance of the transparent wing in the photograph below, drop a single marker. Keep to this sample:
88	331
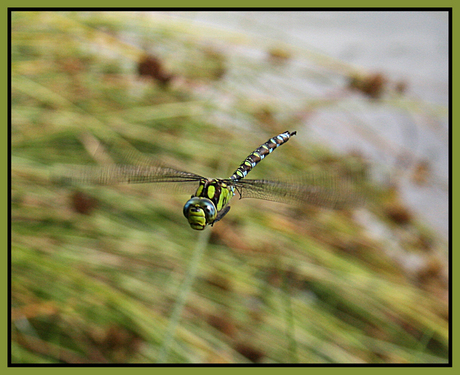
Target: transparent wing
130	174
324	190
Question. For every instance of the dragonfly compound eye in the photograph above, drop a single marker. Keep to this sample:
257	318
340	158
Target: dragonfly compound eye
200	212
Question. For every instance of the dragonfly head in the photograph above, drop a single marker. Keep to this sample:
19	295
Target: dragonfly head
200	212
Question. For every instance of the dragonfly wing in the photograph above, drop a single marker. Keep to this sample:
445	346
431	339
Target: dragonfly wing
130	174
324	190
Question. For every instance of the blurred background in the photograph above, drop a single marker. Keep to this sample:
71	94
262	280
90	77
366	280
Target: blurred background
114	274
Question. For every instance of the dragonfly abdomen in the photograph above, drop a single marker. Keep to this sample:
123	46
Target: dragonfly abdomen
259	153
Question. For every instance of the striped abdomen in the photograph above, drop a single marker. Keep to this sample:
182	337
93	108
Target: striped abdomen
258	154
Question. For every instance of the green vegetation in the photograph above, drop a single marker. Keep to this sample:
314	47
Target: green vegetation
115	274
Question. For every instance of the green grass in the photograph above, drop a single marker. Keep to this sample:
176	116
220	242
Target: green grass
129	281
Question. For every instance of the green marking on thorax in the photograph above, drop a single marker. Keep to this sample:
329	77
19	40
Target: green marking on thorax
211	191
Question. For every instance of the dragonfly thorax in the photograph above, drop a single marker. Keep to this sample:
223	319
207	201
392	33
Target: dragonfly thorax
218	190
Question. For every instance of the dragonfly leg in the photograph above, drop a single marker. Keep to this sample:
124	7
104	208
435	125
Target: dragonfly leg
238	189
221	214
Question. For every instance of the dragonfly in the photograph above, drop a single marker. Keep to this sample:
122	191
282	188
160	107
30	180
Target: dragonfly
210	202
